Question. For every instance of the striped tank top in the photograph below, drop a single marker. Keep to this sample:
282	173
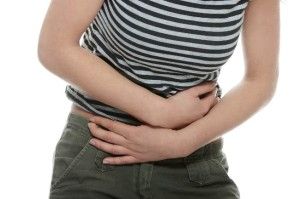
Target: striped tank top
163	45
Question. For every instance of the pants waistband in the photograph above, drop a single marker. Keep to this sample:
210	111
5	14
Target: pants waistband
211	149
79	121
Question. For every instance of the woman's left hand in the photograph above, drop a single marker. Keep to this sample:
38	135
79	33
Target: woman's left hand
135	144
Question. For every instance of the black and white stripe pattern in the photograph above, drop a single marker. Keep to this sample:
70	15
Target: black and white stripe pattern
163	45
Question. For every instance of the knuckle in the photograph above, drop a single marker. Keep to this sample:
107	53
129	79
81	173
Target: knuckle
97	132
108	136
111	125
114	149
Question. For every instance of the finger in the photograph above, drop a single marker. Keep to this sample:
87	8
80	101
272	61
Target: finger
207	102
216	100
105	135
113	125
121	160
108	147
201	89
212	92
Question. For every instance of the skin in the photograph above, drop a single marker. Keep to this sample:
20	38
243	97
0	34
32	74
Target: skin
260	39
60	53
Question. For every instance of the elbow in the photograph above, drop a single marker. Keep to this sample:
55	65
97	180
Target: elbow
271	82
50	50
42	55
48	53
52	58
45	53
273	85
54	54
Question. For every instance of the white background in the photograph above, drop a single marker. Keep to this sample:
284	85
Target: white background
262	152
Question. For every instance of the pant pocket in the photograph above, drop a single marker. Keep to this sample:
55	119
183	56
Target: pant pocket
100	155
70	150
208	171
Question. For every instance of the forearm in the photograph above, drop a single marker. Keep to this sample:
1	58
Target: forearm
236	106
97	80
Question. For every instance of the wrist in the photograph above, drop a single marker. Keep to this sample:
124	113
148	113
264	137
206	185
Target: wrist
183	143
154	113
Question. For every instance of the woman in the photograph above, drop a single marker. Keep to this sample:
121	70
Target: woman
147	117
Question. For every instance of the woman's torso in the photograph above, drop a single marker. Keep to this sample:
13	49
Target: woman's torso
163	45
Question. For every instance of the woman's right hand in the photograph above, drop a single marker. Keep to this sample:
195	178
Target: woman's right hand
188	106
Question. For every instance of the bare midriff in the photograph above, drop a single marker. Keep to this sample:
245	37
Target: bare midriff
80	111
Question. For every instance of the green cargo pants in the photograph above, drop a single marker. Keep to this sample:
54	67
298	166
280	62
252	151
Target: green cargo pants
78	172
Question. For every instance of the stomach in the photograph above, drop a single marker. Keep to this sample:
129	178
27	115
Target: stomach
80	111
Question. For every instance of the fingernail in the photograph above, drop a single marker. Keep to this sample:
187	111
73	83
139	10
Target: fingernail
92	142
92	119
105	161
90	124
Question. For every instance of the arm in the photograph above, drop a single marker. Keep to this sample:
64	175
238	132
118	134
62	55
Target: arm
59	51
261	48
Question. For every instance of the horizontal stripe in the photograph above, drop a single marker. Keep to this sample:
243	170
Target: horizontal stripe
164	46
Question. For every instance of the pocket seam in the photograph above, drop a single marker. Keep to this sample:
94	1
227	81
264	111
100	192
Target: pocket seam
73	163
222	169
195	176
100	155
200	171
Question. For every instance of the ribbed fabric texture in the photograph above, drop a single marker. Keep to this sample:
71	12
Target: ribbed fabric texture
163	45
